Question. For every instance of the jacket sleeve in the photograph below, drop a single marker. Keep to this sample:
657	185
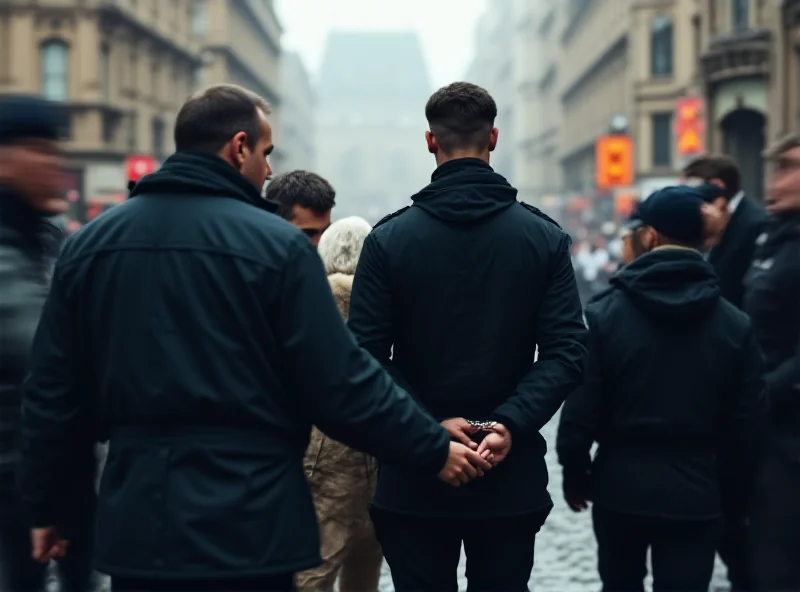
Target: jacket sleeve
371	309
348	395
561	355
746	425
783	382
54	427
582	414
20	305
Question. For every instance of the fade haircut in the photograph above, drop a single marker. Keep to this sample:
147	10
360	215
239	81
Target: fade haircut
723	168
461	116
300	188
211	117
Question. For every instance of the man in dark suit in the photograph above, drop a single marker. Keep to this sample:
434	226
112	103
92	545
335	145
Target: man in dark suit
737	223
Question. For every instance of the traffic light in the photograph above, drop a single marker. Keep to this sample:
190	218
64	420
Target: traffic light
689	126
614	161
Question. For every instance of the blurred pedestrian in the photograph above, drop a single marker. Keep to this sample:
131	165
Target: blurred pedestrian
198	332
342	480
773	302
453	294
305	199
674	398
31	169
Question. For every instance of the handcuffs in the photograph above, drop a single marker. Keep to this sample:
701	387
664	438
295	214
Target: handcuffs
482	426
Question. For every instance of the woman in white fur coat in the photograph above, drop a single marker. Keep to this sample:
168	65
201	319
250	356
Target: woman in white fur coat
342	480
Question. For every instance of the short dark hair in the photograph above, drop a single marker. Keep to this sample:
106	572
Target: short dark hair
461	115
300	188
723	168
211	117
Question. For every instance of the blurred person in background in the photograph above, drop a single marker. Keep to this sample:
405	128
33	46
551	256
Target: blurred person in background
198	332
453	294
674	399
773	302
31	168
304	199
739	223
733	223
342	480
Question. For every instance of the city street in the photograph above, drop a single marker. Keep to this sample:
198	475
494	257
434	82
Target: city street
565	550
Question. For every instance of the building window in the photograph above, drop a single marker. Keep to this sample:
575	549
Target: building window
105	72
55	70
199	17
662	139
741	15
661	33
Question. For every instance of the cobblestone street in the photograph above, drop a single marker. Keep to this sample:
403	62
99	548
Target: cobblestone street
565	549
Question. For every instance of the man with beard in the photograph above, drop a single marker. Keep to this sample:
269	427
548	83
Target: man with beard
674	399
773	302
31	166
453	295
196	331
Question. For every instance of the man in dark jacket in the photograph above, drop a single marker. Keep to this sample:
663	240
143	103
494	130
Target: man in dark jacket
740	222
674	397
773	302
30	193
733	233
459	289
195	331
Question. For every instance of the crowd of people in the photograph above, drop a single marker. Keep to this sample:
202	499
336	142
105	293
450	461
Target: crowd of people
288	402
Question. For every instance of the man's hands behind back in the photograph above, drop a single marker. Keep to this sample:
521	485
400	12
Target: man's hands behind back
463	465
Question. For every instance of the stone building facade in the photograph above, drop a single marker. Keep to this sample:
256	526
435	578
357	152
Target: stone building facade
121	68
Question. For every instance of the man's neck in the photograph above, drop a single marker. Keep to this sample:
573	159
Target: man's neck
443	158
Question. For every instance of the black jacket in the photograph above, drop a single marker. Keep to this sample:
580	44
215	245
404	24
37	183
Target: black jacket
459	289
732	257
198	333
673	394
773	302
28	248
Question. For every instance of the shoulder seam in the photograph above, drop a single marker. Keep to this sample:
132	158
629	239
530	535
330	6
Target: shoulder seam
536	211
390	216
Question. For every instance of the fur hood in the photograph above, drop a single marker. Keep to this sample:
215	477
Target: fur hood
342	286
339	248
340	245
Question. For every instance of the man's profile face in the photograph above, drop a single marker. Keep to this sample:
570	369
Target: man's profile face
34	169
312	223
783	193
254	164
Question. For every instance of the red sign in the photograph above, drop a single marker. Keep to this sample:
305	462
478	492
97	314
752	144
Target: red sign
689	126
140	165
614	161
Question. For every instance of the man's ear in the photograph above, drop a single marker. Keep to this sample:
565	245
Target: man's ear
430	140
493	136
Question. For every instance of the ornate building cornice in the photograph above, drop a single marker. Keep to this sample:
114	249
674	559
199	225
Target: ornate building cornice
737	56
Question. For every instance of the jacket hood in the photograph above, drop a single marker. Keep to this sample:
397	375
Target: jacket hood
200	174
674	284
342	287
465	190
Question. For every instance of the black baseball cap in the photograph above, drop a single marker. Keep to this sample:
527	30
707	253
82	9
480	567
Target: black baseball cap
675	212
27	116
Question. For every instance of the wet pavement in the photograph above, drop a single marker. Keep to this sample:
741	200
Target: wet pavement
565	548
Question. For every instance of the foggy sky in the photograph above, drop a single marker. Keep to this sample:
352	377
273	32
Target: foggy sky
444	26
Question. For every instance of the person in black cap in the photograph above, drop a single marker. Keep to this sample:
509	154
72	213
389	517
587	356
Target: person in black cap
674	397
30	193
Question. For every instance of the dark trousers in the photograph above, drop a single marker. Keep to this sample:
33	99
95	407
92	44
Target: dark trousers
775	526
682	552
423	552
20	573
734	550
282	583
